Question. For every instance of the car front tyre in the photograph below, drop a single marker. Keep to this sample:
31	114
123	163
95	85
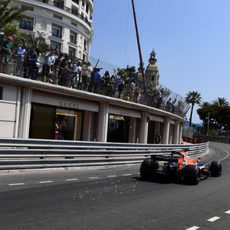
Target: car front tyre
216	168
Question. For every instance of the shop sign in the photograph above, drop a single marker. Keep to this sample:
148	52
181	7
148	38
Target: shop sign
70	105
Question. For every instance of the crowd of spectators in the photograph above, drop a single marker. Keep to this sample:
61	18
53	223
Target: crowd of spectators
60	69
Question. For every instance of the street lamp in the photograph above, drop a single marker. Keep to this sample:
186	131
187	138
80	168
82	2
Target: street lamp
208	124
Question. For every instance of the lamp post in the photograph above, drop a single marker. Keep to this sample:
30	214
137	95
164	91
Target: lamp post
139	46
208	124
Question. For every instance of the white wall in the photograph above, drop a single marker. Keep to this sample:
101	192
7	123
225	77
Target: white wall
8	111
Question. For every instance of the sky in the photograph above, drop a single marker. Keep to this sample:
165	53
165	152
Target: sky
190	37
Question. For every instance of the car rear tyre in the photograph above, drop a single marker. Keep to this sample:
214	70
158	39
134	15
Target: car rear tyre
216	168
191	175
146	170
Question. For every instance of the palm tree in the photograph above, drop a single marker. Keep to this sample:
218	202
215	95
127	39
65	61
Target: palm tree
192	98
9	14
221	102
220	105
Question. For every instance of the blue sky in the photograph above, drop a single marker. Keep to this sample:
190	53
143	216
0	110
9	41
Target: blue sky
191	39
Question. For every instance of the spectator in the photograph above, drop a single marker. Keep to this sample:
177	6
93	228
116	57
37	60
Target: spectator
48	65
32	59
85	76
5	52
119	85
96	80
106	83
64	70
157	139
21	52
112	90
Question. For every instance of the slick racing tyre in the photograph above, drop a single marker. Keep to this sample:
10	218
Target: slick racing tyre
146	170
191	175
216	168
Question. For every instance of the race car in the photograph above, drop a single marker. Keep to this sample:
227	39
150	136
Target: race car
178	164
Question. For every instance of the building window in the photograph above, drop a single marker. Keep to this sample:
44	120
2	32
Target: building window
57	16
84	58
45	1
76	1
1	93
72	52
59	4
25	7
56	31
74	24
75	11
55	45
83	2
87	8
73	37
85	44
26	24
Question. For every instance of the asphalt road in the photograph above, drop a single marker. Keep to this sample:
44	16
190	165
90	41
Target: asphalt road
114	198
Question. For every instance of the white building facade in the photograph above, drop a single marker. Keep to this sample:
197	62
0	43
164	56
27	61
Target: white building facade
65	24
31	109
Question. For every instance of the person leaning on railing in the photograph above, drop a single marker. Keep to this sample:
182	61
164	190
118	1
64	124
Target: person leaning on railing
5	52
20	57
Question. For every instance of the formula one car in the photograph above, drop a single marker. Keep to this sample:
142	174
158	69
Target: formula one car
177	164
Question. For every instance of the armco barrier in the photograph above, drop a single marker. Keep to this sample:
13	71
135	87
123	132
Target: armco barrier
37	153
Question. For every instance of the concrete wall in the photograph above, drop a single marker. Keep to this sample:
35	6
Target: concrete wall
9	111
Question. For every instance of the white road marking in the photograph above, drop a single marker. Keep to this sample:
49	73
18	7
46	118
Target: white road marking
127	175
228	212
213	219
112	176
228	154
93	178
193	228
73	179
45	182
17	184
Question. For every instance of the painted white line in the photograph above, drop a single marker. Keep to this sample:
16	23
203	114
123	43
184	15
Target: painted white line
17	184
127	175
228	154
93	178
213	219
73	179
45	182
228	212
193	228
112	176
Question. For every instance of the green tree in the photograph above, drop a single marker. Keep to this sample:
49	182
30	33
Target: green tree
192	98
217	114
220	105
221	102
37	42
8	13
165	92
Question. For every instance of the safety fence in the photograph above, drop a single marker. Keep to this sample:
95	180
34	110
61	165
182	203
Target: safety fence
37	153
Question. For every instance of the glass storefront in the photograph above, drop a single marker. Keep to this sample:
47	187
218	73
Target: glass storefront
49	122
118	129
151	132
68	125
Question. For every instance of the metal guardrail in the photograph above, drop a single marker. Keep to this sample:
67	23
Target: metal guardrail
37	153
